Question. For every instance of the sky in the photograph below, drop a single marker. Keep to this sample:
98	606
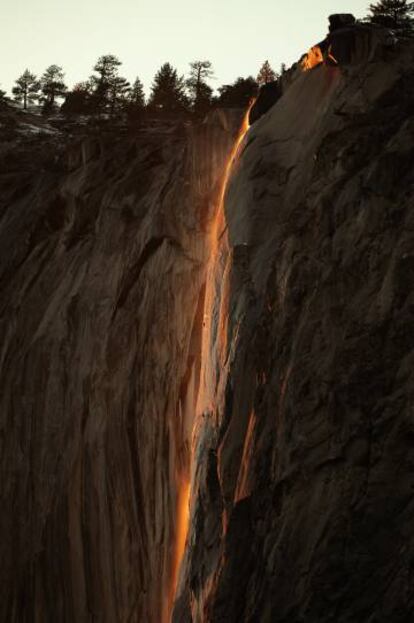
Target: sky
235	35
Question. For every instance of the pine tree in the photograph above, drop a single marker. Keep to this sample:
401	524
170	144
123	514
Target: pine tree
135	107
266	74
200	92
136	95
53	86
118	93
107	69
4	100
167	91
393	13
26	89
204	99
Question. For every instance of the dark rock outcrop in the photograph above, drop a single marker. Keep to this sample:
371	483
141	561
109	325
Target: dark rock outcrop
312	420
268	96
340	20
347	43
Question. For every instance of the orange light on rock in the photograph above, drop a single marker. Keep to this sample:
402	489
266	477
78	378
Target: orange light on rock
216	288
313	58
181	531
332	60
183	516
243	129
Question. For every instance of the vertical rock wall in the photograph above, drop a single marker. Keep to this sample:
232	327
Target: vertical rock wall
303	503
103	253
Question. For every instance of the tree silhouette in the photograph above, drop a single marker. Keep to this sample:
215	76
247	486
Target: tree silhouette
167	91
266	74
135	106
136	95
238	94
53	86
200	92
26	89
106	69
393	13
117	94
78	101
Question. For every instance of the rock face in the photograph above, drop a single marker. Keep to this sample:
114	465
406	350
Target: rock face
347	43
303	482
268	95
103	254
258	346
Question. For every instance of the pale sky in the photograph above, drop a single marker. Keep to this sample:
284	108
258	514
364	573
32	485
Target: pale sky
235	35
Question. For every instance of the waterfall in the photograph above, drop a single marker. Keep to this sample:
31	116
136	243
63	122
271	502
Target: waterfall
213	352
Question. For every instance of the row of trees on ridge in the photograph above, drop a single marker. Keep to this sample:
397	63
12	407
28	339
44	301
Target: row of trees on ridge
106	91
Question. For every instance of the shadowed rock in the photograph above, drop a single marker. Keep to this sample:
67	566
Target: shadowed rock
268	95
313	421
103	252
340	20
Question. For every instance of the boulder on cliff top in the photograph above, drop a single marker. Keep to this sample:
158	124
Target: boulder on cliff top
340	20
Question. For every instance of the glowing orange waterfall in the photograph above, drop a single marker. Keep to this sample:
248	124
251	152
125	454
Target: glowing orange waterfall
213	341
182	522
214	359
214	337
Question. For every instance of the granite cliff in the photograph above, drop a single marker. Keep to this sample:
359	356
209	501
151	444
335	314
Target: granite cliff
302	494
237	341
103	249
